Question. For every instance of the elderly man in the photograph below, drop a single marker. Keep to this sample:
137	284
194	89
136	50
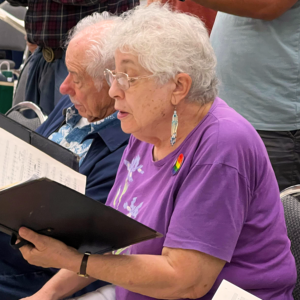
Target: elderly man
85	122
257	48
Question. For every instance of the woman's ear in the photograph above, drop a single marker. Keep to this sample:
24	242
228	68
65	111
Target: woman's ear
183	83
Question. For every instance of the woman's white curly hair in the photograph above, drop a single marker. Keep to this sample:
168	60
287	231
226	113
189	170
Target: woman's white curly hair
167	43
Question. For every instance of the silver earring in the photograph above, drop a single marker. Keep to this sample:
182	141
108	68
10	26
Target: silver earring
174	127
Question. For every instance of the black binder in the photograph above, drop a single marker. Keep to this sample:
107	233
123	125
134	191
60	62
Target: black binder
54	150
55	210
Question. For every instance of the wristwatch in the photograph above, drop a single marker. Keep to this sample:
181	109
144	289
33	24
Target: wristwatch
82	271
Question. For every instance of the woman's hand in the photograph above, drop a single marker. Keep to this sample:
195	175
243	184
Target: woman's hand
47	252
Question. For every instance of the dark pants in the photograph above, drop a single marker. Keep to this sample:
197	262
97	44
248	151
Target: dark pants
44	80
284	151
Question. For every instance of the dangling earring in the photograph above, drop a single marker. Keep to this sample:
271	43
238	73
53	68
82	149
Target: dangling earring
174	127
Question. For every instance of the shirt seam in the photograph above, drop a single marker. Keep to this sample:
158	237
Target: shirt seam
226	165
170	240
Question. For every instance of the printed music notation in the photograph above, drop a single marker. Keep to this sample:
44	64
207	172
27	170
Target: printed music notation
20	161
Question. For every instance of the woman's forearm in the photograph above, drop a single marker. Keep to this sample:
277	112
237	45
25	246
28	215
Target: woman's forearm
149	275
157	276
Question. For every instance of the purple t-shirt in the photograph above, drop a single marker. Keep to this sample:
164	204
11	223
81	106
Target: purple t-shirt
223	201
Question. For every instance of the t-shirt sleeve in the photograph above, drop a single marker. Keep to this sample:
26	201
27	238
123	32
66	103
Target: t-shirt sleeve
209	211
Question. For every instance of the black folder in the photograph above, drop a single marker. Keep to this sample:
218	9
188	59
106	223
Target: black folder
54	150
57	211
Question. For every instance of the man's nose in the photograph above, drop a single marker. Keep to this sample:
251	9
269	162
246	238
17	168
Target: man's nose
66	87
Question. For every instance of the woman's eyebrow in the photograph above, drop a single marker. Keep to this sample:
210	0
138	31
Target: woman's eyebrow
127	61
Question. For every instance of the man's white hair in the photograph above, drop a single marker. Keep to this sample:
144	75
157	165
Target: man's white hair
96	30
167	43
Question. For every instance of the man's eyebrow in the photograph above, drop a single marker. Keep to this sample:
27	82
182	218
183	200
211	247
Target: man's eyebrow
72	72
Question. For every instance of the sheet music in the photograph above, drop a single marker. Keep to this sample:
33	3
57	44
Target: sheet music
20	161
229	291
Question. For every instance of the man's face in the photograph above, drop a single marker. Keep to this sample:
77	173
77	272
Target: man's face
90	103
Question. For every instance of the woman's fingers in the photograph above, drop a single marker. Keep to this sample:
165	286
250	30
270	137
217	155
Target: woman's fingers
47	252
38	240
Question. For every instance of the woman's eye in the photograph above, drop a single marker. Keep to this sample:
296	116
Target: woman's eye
132	80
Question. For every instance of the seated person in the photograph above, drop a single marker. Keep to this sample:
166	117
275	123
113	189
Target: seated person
209	187
91	130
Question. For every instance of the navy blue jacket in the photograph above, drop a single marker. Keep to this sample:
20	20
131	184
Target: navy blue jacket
18	279
102	160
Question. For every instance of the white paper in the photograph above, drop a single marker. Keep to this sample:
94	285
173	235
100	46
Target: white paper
229	291
20	161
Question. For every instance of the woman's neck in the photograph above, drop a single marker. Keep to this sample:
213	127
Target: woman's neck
189	116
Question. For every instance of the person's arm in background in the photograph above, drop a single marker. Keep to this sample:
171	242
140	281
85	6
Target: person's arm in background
18	3
257	9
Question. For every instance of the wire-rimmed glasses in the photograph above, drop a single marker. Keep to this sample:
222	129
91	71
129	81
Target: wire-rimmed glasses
123	80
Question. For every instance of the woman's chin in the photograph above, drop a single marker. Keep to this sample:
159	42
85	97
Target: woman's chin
128	127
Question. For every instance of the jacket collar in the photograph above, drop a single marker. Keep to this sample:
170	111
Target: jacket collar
112	134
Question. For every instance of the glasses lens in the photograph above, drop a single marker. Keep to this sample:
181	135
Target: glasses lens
108	76
122	81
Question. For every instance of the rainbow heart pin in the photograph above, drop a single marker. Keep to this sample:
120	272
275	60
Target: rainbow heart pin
178	164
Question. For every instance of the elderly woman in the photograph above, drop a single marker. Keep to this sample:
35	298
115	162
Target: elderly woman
194	170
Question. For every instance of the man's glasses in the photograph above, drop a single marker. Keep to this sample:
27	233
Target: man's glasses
123	80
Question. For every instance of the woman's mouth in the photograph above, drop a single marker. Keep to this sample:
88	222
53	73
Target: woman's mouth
122	114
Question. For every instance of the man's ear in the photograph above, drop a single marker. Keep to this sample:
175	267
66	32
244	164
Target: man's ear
183	83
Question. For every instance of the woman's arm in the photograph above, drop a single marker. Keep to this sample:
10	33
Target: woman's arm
257	9
177	273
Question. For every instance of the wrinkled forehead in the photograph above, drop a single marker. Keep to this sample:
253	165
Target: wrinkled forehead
127	60
75	57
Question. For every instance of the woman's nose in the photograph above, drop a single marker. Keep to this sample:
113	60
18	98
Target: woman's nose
115	91
66	88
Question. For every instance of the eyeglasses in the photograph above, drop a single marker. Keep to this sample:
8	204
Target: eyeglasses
123	80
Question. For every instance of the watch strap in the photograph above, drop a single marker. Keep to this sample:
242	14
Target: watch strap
82	271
